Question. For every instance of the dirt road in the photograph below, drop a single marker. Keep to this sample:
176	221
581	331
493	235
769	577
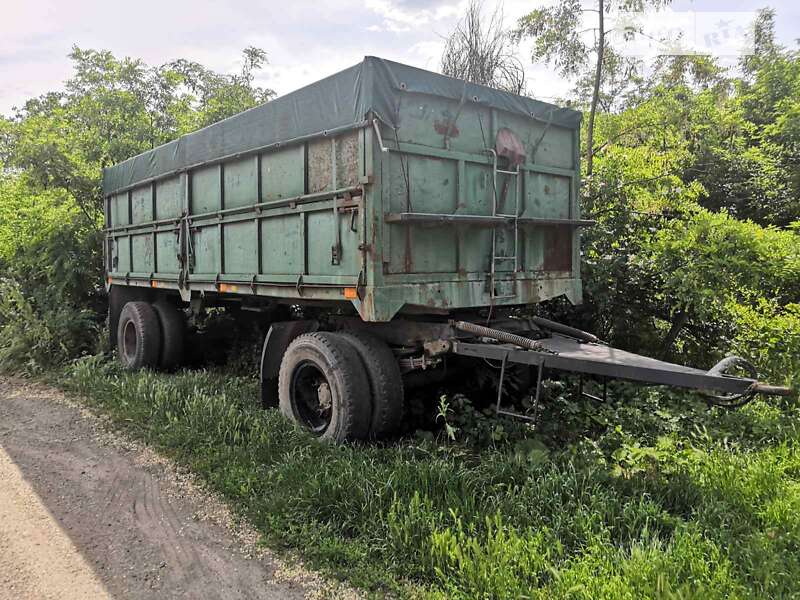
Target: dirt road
87	514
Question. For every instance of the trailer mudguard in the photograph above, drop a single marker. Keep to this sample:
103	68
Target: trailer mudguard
278	338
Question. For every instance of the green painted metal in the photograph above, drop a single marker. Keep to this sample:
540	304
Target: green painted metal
400	207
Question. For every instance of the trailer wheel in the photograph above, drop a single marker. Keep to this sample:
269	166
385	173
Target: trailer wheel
173	333
385	380
138	336
322	387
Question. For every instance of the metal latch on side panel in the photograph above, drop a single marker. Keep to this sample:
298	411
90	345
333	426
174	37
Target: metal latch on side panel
336	248
361	285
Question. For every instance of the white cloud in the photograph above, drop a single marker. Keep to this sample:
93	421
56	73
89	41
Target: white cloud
428	53
305	39
398	17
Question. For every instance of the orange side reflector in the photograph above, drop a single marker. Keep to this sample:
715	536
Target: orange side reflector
109	280
226	287
350	293
153	284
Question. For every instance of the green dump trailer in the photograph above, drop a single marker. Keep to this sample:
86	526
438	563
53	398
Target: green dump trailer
394	205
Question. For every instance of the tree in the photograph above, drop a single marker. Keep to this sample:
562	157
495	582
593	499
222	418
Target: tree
214	96
112	109
558	37
52	152
673	266
482	52
747	151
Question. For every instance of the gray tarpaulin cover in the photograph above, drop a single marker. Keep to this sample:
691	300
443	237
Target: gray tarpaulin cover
338	101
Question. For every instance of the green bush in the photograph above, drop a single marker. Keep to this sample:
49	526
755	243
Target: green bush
769	336
35	339
50	272
712	258
717	273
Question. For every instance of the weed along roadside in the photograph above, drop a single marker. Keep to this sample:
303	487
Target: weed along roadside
660	496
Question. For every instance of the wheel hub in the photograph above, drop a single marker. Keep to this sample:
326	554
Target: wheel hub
312	397
129	341
324	396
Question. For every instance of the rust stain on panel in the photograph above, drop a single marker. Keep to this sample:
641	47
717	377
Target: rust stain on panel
319	165
347	159
446	128
557	249
319	162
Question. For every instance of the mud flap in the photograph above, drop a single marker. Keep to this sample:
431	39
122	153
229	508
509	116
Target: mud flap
278	338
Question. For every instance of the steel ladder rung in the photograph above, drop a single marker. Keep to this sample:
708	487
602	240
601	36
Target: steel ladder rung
497	258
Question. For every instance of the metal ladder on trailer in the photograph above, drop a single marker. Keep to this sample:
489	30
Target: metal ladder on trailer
496	258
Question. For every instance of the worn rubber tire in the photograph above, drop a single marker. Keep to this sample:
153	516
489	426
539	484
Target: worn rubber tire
146	336
341	366
385	380
173	335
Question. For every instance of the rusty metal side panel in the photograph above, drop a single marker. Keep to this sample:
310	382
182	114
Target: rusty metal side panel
319	166
347	159
443	167
169	198
118	213
242	229
142	204
320	153
240	178
557	243
281	173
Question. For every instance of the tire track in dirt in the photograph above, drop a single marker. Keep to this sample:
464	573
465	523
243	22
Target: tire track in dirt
131	523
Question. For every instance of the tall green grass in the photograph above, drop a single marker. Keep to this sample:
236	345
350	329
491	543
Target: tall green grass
653	497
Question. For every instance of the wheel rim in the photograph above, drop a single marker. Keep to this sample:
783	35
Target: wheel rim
129	341
312	397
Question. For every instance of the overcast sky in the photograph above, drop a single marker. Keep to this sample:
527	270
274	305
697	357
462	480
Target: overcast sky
305	40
